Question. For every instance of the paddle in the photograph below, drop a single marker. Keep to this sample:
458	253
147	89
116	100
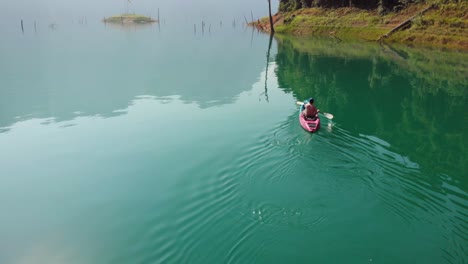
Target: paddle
327	115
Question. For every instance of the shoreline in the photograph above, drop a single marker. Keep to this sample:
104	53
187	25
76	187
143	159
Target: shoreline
444	25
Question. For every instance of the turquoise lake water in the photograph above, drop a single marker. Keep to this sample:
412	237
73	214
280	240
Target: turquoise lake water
154	145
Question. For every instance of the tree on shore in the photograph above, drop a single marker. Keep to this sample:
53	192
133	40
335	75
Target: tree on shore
271	18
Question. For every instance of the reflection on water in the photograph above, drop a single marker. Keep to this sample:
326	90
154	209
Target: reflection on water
129	27
95	73
392	100
413	99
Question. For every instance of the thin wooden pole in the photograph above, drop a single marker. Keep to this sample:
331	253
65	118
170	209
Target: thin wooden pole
251	14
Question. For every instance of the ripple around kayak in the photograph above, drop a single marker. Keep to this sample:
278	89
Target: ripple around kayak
208	202
243	197
257	168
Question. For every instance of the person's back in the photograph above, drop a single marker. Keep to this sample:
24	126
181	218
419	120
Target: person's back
310	109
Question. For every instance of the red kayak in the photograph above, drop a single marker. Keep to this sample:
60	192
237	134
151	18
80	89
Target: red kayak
309	124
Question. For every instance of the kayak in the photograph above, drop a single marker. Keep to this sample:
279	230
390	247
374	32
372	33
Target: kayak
309	124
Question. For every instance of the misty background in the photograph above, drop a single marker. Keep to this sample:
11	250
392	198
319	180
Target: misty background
171	11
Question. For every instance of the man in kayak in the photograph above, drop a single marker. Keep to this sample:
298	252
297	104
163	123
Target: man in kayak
310	110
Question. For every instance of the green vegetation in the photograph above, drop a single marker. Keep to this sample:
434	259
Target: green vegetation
343	22
382	6
445	23
129	18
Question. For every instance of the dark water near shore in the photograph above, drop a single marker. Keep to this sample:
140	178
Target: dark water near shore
150	145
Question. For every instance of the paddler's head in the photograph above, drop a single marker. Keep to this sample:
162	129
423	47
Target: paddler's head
311	100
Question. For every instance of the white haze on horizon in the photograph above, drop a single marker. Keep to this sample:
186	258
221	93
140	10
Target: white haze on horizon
170	10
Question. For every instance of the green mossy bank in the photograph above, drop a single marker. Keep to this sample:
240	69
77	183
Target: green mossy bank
428	23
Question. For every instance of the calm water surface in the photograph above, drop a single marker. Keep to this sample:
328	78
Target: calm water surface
150	145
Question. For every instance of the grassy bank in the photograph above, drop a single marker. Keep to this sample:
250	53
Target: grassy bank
129	18
444	25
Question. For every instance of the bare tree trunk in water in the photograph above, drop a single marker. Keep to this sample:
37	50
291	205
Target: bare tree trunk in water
266	70
271	19
272	32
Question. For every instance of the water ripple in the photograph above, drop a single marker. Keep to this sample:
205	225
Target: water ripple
399	183
288	181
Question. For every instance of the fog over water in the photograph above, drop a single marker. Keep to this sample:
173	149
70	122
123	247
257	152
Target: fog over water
170	10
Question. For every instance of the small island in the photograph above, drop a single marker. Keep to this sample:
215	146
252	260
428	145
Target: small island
129	19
